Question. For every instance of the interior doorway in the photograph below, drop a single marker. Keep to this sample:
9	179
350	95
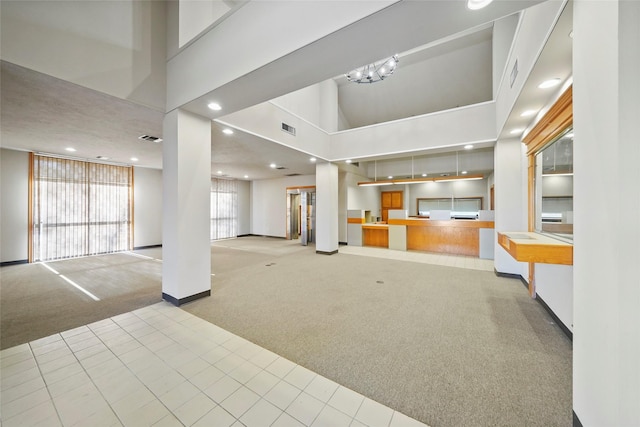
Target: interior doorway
301	214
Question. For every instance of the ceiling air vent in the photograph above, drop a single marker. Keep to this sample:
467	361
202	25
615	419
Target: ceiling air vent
288	129
150	138
280	167
292	174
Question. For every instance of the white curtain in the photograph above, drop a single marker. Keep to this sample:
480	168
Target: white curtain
79	208
224	209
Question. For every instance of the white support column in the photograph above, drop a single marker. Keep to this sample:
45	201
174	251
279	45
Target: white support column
186	179
606	108
326	208
510	180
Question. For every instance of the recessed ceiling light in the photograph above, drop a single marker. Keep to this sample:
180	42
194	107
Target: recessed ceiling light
528	113
219	172
272	165
70	149
214	106
348	161
477	4
312	160
463	172
390	177
516	131
571	34
246	176
227	131
468	147
134	159
549	83
424	174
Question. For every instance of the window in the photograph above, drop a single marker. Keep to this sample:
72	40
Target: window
463	207
224	209
79	208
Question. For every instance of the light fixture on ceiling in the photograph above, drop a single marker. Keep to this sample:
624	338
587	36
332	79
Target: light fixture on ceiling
273	166
70	149
375	72
134	159
246	176
516	131
549	83
463	172
227	131
527	113
424	174
468	147
348	161
422	180
214	106
219	172
313	160
477	4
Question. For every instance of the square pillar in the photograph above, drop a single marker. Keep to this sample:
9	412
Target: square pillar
186	183
326	208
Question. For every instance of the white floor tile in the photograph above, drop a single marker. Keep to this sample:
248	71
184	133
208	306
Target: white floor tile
146	415
194	409
215	355
21	390
24	403
305	408
240	401
216	417
280	367
222	389
229	363
286	420
300	377
245	372
22	348
263	358
330	417
261	414
62	373
169	421
205	378
262	382
401	420
136	399
346	400
44	412
321	388
282	394
68	383
374	414
179	395
7	382
12	359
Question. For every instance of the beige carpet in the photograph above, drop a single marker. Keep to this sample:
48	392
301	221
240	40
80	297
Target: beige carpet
447	346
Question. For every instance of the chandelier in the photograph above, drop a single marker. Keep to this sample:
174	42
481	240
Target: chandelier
373	72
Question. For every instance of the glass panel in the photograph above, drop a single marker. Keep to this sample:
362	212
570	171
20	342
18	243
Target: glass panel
462	208
554	187
224	209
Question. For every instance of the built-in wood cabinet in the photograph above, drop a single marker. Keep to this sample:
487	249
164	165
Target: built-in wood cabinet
390	200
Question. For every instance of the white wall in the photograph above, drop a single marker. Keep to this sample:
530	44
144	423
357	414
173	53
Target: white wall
536	23
554	284
269	204
244	208
606	108
196	16
304	103
14	205
147	207
510	177
503	36
115	47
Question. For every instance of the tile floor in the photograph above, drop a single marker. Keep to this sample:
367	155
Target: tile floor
161	366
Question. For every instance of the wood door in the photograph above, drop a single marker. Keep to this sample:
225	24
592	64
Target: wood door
390	200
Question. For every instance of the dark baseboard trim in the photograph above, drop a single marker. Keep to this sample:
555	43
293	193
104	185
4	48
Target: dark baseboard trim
263	235
342	243
244	235
8	263
576	420
178	302
564	328
135	248
555	318
327	253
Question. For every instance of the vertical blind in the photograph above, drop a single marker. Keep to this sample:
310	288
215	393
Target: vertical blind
79	208
224	209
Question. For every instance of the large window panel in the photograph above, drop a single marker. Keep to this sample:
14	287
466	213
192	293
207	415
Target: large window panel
79	208
224	209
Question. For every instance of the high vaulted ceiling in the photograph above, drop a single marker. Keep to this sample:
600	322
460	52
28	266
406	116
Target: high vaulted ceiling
42	113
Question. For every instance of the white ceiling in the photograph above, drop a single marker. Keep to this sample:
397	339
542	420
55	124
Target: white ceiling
42	113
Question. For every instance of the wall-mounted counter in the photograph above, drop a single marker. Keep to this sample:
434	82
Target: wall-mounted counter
459	237
536	248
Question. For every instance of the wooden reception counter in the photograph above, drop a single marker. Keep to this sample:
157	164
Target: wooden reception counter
459	236
375	235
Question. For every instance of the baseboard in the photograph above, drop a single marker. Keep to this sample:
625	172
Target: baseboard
342	243
327	253
555	318
178	302
135	248
263	235
8	263
576	420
